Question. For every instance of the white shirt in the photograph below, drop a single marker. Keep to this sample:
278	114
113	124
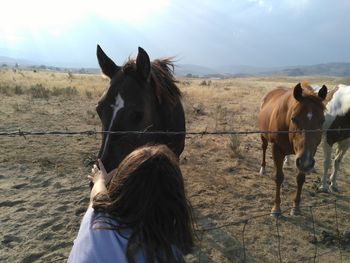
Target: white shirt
94	245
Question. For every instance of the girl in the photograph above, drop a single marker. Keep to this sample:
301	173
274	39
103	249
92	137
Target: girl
137	213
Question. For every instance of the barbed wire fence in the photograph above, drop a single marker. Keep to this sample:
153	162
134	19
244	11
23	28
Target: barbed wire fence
202	230
20	132
340	240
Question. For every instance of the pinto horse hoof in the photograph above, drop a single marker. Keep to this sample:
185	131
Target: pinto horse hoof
275	213
322	189
333	189
262	171
295	211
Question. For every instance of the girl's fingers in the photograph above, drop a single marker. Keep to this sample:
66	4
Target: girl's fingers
94	169
102	168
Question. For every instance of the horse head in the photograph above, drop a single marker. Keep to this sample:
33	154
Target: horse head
127	105
142	96
305	116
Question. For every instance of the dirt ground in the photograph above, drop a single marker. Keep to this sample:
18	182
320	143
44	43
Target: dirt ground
44	189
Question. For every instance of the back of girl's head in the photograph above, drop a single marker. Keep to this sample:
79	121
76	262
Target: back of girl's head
147	194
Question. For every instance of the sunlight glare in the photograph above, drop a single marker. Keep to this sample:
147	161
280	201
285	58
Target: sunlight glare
20	19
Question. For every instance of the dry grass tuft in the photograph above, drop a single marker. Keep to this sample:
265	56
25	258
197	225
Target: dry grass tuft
67	91
38	91
234	145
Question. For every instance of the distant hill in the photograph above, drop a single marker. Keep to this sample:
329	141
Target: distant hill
225	71
195	70
243	70
327	69
13	61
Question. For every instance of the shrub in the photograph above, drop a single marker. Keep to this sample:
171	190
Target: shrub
39	91
70	91
88	94
18	90
5	89
203	83
67	91
234	145
21	108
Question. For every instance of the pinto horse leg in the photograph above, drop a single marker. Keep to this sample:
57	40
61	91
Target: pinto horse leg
327	152
278	158
300	182
341	150
286	161
264	147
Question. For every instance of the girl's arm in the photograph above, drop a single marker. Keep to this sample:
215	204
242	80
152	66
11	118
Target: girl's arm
100	178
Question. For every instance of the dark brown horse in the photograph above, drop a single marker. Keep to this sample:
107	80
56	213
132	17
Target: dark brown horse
142	96
292	112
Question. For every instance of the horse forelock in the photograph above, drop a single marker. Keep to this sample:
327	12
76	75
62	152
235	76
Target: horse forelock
315	100
308	89
162	79
310	95
129	66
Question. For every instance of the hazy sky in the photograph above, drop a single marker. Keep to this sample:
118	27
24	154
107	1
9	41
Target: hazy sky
208	33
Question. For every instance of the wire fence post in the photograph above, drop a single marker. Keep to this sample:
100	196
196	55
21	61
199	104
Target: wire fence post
314	233
243	240
338	232
200	246
279	240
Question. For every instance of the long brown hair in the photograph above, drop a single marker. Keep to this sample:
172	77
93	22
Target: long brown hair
147	194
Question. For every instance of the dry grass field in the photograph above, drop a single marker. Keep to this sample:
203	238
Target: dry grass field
44	189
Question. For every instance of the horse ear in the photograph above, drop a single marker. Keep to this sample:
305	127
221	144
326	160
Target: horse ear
298	92
108	67
322	93
143	64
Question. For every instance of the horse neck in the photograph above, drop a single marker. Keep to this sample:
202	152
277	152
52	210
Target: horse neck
285	108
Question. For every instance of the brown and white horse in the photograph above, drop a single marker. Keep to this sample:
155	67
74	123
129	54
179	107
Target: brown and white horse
290	114
337	116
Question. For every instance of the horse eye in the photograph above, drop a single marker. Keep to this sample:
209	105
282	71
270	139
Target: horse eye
137	116
294	120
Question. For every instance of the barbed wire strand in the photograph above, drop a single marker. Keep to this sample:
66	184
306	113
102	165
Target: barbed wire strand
305	259
242	221
24	133
245	222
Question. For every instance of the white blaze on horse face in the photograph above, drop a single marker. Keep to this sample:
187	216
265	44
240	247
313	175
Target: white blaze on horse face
119	104
309	115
